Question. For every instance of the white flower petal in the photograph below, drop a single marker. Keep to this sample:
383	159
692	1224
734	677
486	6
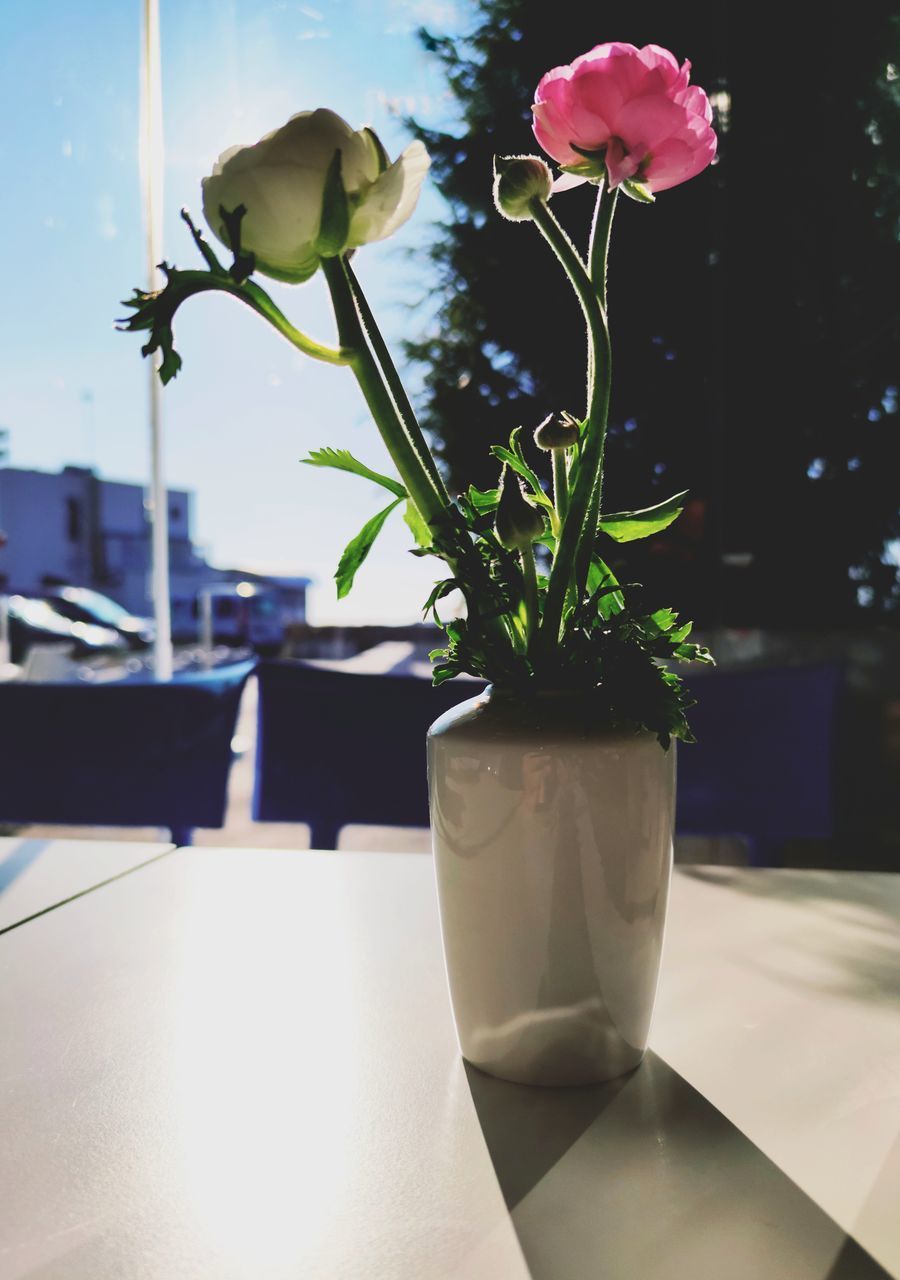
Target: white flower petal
280	181
391	199
284	207
565	182
311	139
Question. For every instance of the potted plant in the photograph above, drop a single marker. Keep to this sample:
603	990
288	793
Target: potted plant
553	792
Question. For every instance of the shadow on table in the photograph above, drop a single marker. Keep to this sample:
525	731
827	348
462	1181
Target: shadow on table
863	962
869	891
19	860
643	1178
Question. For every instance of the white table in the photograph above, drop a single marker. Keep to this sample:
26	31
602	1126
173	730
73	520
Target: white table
37	875
238	1064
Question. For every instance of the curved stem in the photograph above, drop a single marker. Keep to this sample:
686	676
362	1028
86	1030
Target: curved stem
156	311
601	229
413	471
395	385
263	305
575	529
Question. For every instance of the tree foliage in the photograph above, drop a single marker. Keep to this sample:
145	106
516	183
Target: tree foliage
754	315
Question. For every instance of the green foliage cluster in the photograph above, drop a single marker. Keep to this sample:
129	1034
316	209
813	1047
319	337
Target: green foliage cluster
612	645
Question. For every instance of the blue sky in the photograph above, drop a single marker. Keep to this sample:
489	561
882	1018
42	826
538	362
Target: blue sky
246	407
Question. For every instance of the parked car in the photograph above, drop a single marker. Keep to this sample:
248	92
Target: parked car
81	604
37	622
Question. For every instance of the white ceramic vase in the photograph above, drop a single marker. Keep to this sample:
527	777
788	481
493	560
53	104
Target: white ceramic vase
553	852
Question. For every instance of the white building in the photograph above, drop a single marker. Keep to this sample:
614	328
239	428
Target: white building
74	527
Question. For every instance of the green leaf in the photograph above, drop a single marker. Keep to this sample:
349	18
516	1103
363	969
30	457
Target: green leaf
514	458
440	590
693	653
483	500
445	672
416	525
663	620
600	577
334	227
627	526
638	191
523	469
357	550
342	460
592	166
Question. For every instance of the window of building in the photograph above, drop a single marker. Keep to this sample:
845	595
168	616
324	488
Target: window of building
73	519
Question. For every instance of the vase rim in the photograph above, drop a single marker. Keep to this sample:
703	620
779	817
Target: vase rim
516	695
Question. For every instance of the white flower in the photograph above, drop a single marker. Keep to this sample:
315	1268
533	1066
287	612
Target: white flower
300	206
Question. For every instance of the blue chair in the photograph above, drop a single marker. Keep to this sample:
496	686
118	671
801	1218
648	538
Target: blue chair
764	766
132	753
335	748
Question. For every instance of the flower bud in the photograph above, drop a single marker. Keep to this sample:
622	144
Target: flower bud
517	181
517	523
557	432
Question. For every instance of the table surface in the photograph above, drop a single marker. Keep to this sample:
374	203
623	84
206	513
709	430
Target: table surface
236	1064
37	874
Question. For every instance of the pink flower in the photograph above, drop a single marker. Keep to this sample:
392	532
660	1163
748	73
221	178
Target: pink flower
633	105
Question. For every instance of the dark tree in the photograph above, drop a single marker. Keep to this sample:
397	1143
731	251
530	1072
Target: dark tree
754	309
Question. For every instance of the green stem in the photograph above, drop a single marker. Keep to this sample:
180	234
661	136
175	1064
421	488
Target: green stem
586	545
413	472
426	490
263	305
560	485
598	257
256	298
395	385
601	229
157	310
575	528
432	501
529	576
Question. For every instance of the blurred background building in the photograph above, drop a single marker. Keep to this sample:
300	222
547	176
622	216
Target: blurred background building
75	528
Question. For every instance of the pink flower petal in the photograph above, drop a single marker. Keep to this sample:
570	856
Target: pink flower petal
600	52
553	132
645	122
696	100
595	99
678	159
555	87
638	102
619	164
621	67
652	55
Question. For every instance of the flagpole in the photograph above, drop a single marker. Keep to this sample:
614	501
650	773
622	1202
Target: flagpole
151	150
